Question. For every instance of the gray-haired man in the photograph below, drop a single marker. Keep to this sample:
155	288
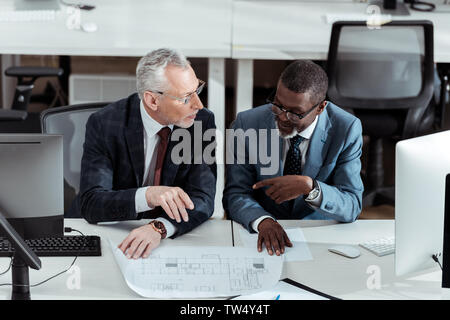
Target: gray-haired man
127	168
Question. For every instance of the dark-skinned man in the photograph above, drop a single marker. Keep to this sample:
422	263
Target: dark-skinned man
314	149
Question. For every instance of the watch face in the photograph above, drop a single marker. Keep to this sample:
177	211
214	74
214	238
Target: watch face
313	194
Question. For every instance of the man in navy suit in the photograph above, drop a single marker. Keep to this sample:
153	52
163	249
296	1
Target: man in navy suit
314	147
128	170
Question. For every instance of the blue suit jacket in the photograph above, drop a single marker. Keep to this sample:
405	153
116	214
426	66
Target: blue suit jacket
333	159
112	167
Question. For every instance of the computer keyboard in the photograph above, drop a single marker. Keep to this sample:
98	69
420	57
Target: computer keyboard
381	18
67	246
381	246
27	15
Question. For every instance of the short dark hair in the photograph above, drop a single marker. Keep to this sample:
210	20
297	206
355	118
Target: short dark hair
303	76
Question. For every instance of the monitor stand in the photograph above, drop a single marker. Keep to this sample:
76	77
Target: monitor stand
20	279
400	10
31	5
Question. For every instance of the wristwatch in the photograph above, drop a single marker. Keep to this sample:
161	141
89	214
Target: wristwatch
158	226
314	193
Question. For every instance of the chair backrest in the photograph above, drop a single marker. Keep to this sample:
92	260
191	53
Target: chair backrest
70	121
390	67
386	67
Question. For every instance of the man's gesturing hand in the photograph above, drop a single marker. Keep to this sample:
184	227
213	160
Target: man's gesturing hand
140	242
273	236
285	188
173	200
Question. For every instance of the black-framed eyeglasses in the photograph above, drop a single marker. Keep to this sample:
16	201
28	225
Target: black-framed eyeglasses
290	115
188	97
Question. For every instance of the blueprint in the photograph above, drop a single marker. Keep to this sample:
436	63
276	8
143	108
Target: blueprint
199	272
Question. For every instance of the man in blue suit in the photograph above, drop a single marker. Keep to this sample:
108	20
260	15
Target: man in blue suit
314	147
128	170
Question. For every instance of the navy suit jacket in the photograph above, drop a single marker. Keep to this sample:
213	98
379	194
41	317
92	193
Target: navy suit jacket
333	159
112	167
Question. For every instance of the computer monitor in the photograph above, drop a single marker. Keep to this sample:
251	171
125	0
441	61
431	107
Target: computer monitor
31	184
421	166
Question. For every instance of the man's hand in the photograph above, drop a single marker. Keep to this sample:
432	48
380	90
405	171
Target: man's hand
285	188
173	200
140	242
274	237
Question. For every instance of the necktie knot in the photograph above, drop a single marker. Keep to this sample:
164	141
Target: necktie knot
295	141
164	133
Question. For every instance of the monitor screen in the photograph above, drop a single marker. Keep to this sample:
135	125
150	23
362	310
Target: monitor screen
421	166
31	184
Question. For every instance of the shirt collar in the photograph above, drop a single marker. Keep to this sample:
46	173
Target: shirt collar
307	133
151	126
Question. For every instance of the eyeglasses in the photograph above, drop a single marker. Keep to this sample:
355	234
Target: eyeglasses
290	115
186	99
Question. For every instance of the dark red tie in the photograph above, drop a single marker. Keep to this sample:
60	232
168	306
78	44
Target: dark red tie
161	152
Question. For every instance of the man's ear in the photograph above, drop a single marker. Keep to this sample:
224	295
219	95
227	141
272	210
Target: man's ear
321	107
150	100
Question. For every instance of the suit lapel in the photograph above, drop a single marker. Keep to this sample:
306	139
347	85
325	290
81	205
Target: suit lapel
134	136
271	125
318	146
317	151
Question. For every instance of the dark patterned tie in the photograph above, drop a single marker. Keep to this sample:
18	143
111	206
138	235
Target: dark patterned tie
161	152
293	164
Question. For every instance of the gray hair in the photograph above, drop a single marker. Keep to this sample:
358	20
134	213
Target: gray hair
150	70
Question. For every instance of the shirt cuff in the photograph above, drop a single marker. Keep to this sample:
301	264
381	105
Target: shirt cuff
140	201
317	201
256	222
170	227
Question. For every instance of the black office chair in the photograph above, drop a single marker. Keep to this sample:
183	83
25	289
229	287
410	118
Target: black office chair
18	119
70	121
385	77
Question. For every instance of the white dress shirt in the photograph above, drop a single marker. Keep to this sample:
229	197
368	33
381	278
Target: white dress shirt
151	141
306	134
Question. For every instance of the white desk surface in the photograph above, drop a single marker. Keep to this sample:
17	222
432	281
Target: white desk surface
330	273
347	278
287	30
100	276
200	28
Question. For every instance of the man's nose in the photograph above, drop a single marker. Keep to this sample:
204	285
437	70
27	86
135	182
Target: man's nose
196	102
283	117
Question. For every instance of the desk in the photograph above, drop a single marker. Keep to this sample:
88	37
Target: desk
330	273
347	278
285	30
100	276
200	28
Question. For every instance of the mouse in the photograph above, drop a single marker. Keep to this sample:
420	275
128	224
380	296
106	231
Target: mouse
346	251
89	27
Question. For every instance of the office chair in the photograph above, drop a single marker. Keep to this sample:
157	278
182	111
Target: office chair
385	77
70	121
17	119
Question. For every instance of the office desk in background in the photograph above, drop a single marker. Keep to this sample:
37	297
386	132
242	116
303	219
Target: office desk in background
101	277
347	278
289	30
199	28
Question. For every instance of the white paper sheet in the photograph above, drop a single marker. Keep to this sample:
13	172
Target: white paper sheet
299	251
199	272
285	291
